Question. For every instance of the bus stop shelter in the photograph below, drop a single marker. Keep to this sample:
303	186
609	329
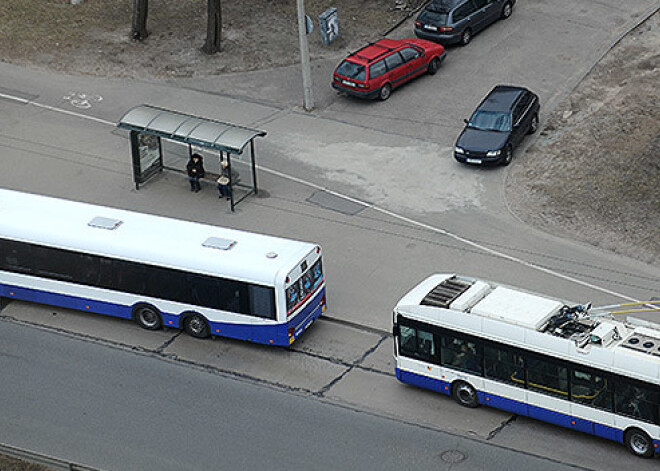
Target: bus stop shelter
151	127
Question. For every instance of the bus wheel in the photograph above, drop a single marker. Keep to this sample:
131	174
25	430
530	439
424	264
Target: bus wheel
147	317
638	443
196	326
464	394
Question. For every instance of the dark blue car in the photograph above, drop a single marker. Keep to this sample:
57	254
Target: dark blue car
498	126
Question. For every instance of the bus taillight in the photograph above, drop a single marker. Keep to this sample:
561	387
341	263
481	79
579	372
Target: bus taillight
292	330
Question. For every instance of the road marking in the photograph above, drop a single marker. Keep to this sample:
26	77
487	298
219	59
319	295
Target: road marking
82	100
456	237
400	217
55	109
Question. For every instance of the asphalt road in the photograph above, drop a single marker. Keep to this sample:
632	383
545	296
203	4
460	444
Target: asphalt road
121	410
422	214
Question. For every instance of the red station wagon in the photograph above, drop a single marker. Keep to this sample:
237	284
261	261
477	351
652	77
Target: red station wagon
375	70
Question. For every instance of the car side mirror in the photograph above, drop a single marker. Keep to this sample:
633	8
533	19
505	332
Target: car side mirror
465	121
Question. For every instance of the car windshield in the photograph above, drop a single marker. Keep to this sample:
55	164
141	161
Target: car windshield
490	121
352	70
433	17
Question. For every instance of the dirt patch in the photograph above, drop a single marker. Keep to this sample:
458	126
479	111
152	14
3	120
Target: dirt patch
594	174
93	38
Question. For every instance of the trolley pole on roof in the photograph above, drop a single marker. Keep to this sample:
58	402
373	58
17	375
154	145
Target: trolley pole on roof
308	100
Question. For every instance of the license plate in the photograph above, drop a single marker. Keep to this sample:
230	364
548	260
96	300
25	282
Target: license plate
474	161
431	28
346	82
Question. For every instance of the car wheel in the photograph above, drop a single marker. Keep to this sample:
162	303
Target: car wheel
507	9
534	124
196	326
466	37
434	65
465	394
508	156
385	92
147	317
638	443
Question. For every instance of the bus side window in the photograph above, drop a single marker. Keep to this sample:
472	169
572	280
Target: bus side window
504	365
15	257
89	269
591	389
636	401
425	344
407	341
262	301
462	354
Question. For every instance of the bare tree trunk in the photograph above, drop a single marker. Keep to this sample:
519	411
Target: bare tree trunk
139	28
213	28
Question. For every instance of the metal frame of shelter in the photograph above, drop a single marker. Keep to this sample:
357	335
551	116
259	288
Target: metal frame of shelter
148	124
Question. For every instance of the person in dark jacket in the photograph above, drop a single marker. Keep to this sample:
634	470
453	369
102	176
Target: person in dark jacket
195	170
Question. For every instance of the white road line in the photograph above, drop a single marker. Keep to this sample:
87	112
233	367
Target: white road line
456	237
57	110
376	208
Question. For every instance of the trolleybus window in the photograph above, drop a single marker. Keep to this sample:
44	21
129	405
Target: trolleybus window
591	389
504	365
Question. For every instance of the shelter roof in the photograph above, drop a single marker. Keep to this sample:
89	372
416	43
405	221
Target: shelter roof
188	129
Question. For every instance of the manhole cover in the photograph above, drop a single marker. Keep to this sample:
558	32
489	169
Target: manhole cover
336	203
452	456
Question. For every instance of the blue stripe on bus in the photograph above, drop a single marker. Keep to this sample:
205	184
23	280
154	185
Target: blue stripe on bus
66	301
277	334
521	408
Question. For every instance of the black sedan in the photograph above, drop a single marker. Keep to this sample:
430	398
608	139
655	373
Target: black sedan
498	125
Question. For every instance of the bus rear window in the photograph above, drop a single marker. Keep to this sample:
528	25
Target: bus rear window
304	287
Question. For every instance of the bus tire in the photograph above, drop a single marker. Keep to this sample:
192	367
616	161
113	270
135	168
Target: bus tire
638	443
465	394
196	326
147	317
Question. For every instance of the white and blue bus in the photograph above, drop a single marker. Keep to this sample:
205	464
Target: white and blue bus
158	271
575	366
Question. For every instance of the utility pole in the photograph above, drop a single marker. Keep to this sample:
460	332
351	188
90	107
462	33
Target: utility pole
308	100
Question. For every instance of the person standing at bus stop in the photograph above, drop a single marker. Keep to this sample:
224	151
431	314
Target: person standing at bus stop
195	170
224	187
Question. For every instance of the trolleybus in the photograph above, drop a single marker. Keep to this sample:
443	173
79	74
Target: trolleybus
158	271
571	365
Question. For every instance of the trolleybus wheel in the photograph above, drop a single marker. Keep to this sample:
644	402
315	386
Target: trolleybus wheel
638	443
